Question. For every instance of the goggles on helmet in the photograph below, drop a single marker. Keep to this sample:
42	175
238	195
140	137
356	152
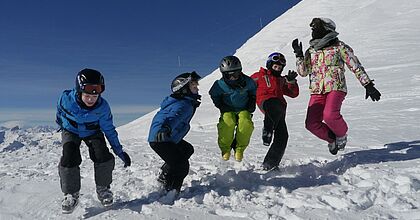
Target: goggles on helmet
278	59
91	89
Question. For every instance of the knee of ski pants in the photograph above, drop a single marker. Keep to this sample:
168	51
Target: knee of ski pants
244	130
331	117
281	134
226	130
98	150
71	155
228	120
245	124
181	168
71	150
312	125
187	149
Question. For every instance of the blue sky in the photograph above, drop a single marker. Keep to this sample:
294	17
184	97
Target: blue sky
139	46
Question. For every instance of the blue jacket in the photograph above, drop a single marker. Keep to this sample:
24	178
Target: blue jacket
175	113
235	98
86	122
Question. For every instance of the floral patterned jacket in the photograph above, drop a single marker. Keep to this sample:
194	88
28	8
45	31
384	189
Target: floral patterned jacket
325	68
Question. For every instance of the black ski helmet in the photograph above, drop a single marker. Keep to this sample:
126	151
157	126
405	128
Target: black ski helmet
230	64
275	58
180	85
90	81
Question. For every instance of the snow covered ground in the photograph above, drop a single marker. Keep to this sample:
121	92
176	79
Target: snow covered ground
376	177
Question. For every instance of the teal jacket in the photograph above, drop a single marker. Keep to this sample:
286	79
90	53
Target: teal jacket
234	96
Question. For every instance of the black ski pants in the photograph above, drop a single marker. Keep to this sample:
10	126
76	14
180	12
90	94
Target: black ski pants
176	164
71	159
275	120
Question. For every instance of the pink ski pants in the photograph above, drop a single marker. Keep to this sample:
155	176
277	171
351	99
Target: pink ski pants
323	115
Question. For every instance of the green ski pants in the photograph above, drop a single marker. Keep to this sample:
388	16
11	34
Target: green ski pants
234	125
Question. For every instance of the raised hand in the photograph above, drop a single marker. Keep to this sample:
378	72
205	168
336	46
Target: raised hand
291	75
297	48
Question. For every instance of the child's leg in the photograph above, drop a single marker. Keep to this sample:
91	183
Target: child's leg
176	157
244	130
276	111
186	148
314	118
268	126
268	123
68	168
332	115
104	161
226	129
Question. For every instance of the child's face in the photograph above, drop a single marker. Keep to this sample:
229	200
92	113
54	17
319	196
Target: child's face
232	75
277	67
194	87
89	99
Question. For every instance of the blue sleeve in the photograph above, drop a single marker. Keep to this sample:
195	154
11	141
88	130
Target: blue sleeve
58	113
107	126
63	116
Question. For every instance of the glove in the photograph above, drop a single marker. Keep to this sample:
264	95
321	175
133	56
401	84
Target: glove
163	134
297	48
125	158
372	92
291	76
251	107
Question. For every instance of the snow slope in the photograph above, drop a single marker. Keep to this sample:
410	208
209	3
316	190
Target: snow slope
376	177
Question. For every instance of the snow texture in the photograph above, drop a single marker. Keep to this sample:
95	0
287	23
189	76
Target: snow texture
376	177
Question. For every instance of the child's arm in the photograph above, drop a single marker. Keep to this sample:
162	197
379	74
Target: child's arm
303	64
216	95
252	95
291	88
354	64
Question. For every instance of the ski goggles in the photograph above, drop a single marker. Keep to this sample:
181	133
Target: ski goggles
278	59
234	73
92	89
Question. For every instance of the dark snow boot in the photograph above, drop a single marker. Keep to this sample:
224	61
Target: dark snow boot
268	167
174	183
69	203
163	173
333	148
161	178
105	195
267	136
341	142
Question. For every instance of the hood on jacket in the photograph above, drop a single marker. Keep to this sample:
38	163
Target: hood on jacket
321	27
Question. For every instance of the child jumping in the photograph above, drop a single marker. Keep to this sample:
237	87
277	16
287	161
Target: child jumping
324	63
234	95
170	125
271	87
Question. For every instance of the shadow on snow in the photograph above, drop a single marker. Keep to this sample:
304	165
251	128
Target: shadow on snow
307	175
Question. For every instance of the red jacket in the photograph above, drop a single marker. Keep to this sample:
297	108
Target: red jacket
269	86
